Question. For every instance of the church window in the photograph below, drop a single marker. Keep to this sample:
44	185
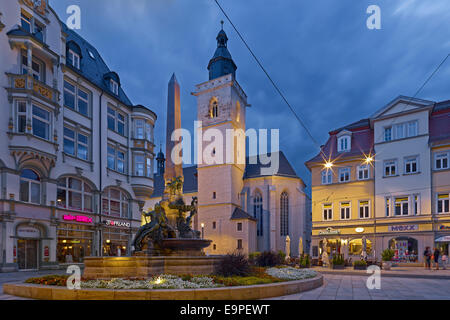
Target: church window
258	213
239	226
284	214
214	109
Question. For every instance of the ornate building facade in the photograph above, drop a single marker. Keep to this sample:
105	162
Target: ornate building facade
77	156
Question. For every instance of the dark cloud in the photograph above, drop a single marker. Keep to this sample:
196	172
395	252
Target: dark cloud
332	69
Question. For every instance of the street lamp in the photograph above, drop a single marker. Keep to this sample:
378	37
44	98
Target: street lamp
203	229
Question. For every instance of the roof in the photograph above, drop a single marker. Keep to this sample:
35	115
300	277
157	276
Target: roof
93	69
251	171
238	213
408	100
254	170
361	142
440	123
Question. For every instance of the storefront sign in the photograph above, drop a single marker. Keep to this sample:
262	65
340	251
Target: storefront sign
84	219
46	251
114	223
359	230
28	232
329	230
442	227
402	228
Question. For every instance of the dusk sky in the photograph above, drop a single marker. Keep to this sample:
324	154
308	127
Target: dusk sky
330	66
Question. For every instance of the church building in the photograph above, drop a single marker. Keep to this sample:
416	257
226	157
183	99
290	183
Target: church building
239	207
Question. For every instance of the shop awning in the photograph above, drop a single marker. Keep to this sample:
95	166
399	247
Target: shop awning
443	239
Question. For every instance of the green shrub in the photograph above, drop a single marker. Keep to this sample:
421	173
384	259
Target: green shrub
233	264
338	260
252	257
304	261
387	254
282	256
268	259
360	263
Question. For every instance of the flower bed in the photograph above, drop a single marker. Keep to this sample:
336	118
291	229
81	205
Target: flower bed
165	281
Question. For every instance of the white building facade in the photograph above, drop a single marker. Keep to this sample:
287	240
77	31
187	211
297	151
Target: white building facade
76	157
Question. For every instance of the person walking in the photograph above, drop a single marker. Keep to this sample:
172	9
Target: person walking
436	254
444	261
427	257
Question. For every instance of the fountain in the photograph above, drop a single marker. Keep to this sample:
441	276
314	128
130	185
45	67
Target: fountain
166	244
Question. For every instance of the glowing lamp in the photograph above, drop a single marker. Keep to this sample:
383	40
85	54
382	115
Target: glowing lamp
369	159
328	164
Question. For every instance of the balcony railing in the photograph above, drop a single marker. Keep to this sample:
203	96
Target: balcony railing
26	82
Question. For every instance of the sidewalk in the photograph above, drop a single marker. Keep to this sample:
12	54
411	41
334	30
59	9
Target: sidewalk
402	272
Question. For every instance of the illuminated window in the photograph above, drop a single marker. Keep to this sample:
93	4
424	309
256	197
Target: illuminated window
74	194
363	172
345	210
390	168
327	212
401	206
213	108
443	202
388	207
364	209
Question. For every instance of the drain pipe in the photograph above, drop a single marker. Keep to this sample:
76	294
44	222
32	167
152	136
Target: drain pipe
100	173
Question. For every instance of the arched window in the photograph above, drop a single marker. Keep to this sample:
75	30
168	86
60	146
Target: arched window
74	194
30	186
214	109
258	213
284	214
115	203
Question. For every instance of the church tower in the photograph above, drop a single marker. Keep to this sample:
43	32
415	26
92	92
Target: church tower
221	104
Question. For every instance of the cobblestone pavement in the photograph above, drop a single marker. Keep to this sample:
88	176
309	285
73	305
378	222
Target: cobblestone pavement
352	287
20	277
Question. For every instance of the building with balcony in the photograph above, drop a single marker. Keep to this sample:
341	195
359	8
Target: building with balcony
393	168
76	156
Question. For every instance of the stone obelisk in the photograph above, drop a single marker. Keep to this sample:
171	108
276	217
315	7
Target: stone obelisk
173	122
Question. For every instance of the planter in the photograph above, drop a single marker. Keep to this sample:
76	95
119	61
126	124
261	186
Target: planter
359	267
337	266
387	265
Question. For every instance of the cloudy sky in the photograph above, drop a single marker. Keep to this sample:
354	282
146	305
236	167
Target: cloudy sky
331	67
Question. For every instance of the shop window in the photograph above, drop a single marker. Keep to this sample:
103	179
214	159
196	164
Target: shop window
115	242
284	214
30	186
74	243
405	249
258	213
115	203
443	203
356	246
74	194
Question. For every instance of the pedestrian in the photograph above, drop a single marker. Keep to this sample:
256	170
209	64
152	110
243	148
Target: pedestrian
436	254
444	261
427	257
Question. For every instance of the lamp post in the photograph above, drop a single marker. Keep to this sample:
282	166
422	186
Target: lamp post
203	229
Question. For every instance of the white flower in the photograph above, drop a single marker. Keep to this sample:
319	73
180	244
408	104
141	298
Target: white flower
290	273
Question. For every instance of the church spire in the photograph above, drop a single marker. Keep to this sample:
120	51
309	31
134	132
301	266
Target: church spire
221	63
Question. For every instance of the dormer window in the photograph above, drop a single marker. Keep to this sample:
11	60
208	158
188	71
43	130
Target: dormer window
344	144
74	59
114	86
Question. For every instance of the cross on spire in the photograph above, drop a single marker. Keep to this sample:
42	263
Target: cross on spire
221	22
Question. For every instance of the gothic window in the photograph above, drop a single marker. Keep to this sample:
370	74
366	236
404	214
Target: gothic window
214	109
284	214
258	213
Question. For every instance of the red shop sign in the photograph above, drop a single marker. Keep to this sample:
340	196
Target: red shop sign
69	217
46	251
